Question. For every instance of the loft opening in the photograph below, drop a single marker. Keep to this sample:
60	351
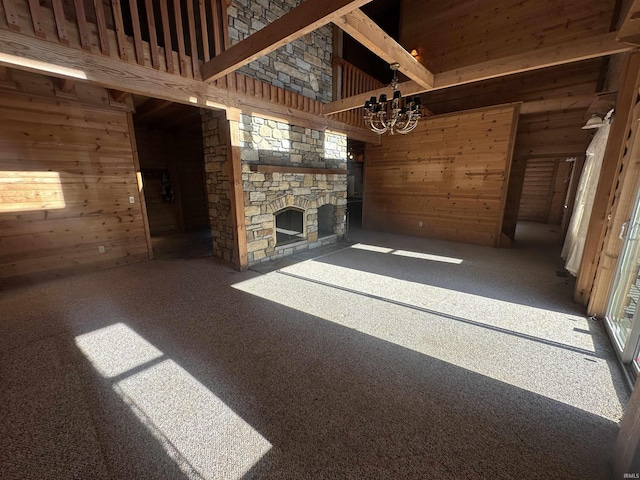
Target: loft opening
289	226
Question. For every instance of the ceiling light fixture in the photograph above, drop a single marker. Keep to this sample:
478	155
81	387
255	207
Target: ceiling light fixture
400	115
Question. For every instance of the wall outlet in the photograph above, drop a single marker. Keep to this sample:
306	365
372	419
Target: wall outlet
132	200
419	224
101	249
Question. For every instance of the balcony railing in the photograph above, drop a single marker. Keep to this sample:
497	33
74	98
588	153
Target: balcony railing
353	81
172	36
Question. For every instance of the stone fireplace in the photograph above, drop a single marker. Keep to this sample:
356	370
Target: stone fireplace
270	195
294	184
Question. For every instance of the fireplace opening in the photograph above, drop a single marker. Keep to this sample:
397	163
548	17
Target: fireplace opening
289	226
326	214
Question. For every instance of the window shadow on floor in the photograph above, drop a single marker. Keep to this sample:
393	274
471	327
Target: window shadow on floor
333	402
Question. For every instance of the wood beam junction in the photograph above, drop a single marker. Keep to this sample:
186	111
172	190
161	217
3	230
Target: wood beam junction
299	21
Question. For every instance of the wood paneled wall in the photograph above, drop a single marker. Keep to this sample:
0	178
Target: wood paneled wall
447	179
452	34
66	175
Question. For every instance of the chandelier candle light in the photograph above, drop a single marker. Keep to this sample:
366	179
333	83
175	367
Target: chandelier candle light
398	116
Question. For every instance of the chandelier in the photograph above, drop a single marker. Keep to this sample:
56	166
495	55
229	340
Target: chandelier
398	116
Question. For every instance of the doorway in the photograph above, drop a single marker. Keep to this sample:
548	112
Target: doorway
171	154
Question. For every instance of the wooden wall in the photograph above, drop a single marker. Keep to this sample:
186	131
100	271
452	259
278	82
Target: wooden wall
543	190
452	34
181	154
447	179
543	138
66	174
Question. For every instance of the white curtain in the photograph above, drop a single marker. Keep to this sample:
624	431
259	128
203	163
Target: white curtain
577	232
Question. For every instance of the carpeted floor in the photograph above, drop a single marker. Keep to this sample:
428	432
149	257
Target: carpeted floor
396	357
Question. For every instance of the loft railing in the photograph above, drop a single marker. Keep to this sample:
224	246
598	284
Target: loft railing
353	81
173	36
169	35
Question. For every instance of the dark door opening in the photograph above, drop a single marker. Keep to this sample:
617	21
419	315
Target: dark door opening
171	154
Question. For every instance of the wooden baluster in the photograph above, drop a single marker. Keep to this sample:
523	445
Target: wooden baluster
119	25
34	7
153	35
83	28
166	35
61	22
137	33
193	40
204	27
217	27
239	82
180	34
101	23
225	24
11	14
249	86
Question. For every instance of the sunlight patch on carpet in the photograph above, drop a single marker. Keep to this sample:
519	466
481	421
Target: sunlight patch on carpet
198	431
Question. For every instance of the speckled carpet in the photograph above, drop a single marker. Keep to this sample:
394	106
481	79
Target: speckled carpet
395	358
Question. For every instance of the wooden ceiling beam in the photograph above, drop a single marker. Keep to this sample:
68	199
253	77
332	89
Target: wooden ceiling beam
629	31
65	84
299	21
150	108
118	95
5	78
557	104
371	36
574	51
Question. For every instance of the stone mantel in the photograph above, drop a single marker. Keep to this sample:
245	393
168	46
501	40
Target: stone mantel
289	169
